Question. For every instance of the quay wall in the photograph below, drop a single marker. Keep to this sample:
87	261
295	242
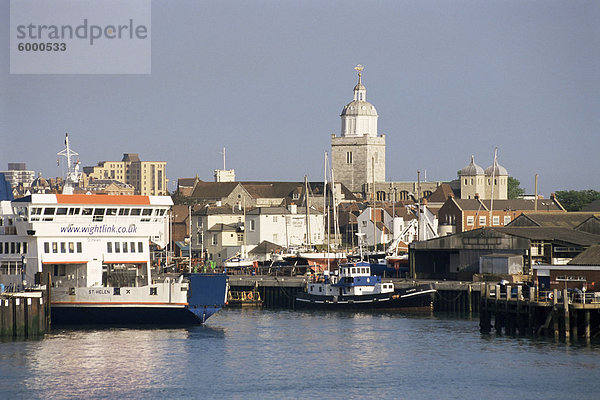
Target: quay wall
280	291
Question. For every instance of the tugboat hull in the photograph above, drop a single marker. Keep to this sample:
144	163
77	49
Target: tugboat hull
418	298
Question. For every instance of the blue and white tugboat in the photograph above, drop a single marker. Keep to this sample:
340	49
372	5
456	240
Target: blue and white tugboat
353	286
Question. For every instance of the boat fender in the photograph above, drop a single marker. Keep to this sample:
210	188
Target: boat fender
250	296
550	295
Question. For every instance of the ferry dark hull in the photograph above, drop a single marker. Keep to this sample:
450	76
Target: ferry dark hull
412	299
206	296
122	316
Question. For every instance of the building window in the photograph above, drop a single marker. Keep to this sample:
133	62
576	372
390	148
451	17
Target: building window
349	157
215	240
470	220
274	218
482	220
506	219
496	220
252	225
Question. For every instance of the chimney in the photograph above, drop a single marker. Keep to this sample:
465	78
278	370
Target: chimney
476	196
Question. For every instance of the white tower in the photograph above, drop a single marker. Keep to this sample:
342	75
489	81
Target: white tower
358	154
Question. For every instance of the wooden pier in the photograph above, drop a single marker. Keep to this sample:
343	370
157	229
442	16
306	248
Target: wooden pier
279	291
525	311
24	314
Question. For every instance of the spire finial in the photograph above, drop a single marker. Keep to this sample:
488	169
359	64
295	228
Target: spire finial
359	68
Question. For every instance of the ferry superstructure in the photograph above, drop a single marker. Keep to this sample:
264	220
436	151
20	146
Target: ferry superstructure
96	251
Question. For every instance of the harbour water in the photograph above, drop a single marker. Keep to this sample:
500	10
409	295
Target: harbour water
257	354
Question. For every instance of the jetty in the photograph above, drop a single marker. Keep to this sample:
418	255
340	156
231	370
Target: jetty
523	310
24	314
279	291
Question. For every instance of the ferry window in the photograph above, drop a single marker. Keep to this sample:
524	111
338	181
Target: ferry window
63	247
147	211
59	270
135	211
161	212
111	211
320	288
132	247
124	211
99	211
54	247
49	211
140	247
87	211
79	247
353	270
117	247
124	247
74	211
36	211
109	247
61	211
153	291
71	247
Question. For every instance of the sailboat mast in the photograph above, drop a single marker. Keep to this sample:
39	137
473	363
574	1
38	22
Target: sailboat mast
493	184
306	206
325	210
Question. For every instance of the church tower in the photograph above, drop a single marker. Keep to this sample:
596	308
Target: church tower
358	154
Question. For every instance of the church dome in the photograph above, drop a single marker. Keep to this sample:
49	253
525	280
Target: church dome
472	169
496	170
357	107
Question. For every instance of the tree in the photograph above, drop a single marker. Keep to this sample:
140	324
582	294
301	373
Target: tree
514	188
575	200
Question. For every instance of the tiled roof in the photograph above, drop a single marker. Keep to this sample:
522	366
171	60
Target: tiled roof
590	256
566	235
563	219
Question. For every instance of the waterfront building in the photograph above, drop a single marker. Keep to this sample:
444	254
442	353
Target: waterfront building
18	175
358	154
477	182
149	178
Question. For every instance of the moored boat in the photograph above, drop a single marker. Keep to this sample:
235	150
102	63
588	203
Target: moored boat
94	253
353	286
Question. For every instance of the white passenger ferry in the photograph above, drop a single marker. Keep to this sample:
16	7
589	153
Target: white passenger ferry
96	251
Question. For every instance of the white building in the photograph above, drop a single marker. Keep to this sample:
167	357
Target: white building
285	227
18	174
220	232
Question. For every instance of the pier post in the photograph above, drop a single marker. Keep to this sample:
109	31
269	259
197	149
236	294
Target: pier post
586	321
566	314
531	326
555	313
575	322
470	299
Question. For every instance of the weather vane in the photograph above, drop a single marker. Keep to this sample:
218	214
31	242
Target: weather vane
359	68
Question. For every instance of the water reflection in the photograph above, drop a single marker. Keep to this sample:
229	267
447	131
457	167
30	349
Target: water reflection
286	354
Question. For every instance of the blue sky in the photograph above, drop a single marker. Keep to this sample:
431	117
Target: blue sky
268	80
